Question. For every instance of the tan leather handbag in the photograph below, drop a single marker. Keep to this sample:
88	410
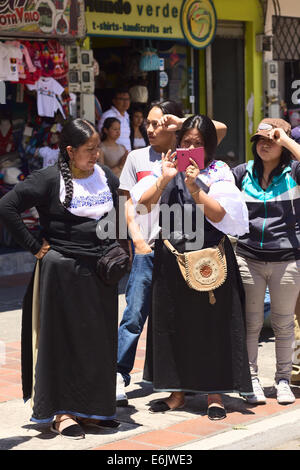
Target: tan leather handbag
203	270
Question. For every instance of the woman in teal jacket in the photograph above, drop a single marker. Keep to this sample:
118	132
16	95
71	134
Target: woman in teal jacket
269	255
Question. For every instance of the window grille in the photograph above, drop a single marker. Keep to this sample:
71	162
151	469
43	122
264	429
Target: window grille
286	38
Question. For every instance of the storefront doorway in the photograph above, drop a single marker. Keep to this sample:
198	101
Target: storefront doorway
120	65
226	89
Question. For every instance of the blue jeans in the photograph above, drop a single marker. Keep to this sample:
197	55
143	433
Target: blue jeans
138	298
267	304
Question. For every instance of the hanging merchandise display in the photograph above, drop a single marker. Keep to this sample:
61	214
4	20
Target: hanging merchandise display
149	60
48	93
27	61
34	100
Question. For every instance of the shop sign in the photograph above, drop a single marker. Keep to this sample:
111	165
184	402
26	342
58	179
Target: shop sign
134	18
39	18
198	22
192	20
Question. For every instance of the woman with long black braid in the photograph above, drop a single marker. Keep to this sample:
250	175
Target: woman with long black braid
69	325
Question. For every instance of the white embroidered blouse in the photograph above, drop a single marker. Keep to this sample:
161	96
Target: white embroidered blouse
220	180
91	196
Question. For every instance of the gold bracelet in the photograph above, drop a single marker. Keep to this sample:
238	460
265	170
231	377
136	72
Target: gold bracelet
157	186
195	192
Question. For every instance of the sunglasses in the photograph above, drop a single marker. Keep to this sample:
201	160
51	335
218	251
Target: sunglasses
266	127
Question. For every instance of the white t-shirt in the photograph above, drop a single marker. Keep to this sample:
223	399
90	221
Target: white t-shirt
14	55
49	156
8	62
124	138
91	196
47	91
139	164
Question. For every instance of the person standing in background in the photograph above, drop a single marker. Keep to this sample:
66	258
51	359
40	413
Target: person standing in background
113	155
119	108
138	134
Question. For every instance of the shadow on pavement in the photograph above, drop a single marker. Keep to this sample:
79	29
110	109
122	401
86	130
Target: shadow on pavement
266	336
11	442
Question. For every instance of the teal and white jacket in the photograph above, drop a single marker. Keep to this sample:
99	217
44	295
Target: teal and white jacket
274	213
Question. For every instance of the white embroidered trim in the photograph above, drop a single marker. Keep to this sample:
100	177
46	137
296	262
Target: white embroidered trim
89	201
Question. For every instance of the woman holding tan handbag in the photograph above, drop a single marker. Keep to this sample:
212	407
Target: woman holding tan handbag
196	338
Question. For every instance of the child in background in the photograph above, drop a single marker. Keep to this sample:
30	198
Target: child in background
114	155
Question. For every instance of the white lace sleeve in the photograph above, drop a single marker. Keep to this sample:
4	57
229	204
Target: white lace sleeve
236	220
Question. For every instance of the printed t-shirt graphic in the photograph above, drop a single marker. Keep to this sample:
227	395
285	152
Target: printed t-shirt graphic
47	91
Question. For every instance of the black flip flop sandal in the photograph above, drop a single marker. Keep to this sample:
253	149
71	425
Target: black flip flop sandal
216	412
74	431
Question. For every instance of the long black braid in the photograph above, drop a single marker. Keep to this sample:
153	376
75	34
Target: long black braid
75	133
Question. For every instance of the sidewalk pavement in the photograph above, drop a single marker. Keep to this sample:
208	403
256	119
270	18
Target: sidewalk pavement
184	429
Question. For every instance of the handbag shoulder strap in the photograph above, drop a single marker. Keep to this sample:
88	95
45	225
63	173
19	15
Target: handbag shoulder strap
221	245
171	247
176	253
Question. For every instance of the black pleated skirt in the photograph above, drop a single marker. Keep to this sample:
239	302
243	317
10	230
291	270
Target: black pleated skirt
191	344
72	368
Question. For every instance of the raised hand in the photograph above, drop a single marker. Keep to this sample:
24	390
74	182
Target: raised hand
170	122
279	136
169	165
191	174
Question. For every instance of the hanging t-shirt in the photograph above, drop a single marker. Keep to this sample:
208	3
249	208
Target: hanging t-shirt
49	156
24	62
48	91
14	56
9	57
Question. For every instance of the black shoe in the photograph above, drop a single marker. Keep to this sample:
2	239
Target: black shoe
161	406
70	432
102	423
216	412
